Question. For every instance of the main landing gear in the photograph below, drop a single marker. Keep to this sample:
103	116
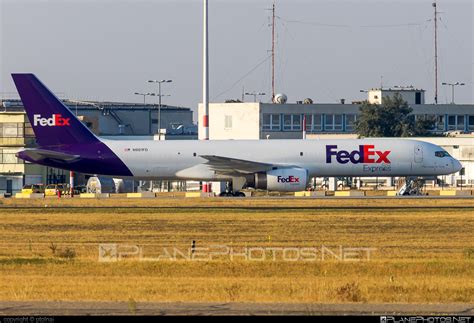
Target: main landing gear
237	184
233	194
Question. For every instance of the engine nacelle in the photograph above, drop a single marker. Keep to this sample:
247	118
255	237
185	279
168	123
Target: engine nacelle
283	180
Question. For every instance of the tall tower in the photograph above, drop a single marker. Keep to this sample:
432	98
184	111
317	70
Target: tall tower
205	75
436	49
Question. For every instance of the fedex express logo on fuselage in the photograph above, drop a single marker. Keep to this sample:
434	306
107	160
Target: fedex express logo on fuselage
365	155
56	120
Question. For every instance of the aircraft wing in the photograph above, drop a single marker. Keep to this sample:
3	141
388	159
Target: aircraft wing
40	154
226	165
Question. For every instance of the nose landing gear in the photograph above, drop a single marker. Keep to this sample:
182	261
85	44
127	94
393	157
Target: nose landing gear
413	186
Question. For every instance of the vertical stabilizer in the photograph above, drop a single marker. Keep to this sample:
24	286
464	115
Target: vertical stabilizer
53	123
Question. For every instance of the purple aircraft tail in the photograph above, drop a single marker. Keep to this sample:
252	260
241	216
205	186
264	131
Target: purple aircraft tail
64	141
53	123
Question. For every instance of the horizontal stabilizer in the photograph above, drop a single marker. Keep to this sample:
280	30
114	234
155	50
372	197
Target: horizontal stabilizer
36	155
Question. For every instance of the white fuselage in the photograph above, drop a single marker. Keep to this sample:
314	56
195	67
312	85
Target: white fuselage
334	157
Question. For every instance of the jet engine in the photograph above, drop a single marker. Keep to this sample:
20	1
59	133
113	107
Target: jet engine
282	179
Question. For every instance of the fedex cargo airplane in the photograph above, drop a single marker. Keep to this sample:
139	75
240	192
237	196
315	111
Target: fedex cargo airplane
279	165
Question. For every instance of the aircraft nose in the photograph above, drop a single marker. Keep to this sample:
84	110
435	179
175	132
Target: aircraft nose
457	166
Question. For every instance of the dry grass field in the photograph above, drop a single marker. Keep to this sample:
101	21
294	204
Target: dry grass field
422	250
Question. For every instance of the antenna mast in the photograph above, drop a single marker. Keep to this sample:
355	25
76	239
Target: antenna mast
273	51
436	49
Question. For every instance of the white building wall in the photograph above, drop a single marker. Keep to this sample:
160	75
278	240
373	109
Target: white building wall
376	96
232	121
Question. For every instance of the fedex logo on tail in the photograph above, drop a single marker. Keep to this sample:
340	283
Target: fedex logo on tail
56	120
365	155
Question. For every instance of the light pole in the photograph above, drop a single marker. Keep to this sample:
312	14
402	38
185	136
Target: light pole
144	96
255	94
159	100
452	85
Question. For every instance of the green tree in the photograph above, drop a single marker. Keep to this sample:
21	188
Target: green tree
392	118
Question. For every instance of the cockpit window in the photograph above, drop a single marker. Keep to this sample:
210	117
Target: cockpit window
442	154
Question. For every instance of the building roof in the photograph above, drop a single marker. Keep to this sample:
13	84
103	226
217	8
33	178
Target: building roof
17	105
398	89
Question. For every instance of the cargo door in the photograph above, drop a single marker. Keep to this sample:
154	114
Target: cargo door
418	154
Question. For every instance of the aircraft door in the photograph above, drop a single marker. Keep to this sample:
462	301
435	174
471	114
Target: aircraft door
418	154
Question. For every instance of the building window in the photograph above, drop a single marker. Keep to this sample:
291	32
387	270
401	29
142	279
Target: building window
460	123
313	122
11	130
329	122
7	156
296	122
317	122
333	122
439	123
291	122
455	122
470	124
287	122
451	122
29	131
309	122
417	97
228	122
271	122
338	122
350	119
267	122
